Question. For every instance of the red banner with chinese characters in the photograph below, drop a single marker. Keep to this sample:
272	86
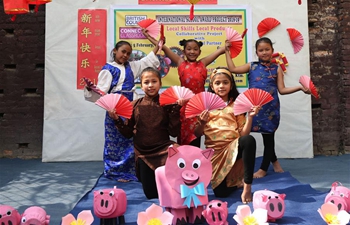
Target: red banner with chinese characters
175	2
92	39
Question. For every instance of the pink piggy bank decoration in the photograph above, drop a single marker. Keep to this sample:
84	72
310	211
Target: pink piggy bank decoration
110	204
182	183
9	215
271	201
216	213
339	196
35	216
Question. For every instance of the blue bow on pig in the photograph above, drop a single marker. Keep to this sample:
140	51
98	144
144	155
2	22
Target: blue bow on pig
191	194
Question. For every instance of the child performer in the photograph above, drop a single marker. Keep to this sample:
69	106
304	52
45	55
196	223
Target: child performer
192	74
268	77
150	127
118	77
229	136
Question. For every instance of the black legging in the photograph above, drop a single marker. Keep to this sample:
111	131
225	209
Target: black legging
246	151
269	151
196	142
148	179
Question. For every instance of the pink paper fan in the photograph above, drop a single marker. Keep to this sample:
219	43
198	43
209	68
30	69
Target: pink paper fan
203	101
236	41
174	93
116	102
92	86
152	26
266	25
307	83
296	38
249	98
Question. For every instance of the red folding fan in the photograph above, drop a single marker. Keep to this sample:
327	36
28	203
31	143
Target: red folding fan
117	103
244	32
92	86
236	41
192	2
266	25
203	101
296	38
151	25
249	98
161	38
307	83
174	93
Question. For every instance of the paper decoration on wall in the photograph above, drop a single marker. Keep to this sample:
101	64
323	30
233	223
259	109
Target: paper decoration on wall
296	38
152	26
280	63
203	101
15	7
299	2
174	93
117	103
236	41
266	25
92	86
307	83
192	2
249	98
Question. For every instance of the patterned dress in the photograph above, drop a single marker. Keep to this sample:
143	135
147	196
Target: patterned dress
192	76
264	76
118	154
221	134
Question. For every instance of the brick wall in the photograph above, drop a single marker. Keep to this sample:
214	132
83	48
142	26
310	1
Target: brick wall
22	47
22	44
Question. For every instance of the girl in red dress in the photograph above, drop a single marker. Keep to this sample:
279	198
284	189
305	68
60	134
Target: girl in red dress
192	74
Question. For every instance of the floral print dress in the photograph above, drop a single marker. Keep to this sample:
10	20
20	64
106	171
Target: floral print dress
192	76
264	76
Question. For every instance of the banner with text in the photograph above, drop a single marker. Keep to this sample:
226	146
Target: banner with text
208	26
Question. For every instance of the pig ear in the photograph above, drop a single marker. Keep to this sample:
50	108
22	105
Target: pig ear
208	153
172	150
282	196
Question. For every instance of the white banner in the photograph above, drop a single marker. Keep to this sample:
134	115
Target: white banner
74	128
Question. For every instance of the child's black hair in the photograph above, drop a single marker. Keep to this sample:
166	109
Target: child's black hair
233	92
118	45
151	70
184	42
263	40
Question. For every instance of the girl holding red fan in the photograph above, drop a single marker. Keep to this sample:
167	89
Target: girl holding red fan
269	77
234	155
193	75
118	77
150	127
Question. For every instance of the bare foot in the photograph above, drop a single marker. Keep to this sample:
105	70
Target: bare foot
247	193
259	174
123	180
277	167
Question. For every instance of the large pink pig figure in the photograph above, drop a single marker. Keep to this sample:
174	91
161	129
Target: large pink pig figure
182	182
110	205
271	201
35	215
9	215
216	213
340	196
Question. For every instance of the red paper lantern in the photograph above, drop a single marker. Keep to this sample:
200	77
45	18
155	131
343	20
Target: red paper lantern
37	3
16	7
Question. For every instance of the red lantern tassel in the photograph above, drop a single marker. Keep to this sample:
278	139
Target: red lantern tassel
192	12
13	18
